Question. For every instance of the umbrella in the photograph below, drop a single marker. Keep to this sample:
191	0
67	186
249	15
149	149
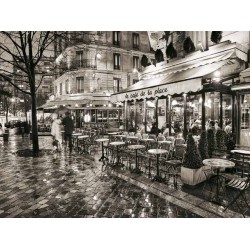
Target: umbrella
62	110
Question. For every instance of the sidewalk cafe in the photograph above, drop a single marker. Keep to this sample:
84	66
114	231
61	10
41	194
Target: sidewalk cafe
186	91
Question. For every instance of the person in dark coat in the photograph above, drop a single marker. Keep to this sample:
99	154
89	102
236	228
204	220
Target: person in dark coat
68	130
154	130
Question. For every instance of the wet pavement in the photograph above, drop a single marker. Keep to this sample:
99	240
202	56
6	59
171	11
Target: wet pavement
63	185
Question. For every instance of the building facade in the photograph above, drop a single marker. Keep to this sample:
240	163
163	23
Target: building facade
93	65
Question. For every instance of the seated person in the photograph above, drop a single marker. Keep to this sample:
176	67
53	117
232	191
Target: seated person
166	131
155	130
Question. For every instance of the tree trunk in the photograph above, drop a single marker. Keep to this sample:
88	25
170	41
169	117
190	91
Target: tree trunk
33	115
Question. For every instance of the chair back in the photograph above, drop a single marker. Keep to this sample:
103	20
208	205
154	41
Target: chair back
161	138
179	141
166	145
170	138
144	136
131	133
153	144
138	135
125	133
180	150
152	136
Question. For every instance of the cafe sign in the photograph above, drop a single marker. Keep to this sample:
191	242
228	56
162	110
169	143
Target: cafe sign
187	86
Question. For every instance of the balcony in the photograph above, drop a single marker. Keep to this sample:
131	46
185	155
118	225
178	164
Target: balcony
76	64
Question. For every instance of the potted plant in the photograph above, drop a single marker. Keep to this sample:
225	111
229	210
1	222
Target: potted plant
192	172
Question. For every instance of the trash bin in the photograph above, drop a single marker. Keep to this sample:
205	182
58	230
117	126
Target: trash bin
6	137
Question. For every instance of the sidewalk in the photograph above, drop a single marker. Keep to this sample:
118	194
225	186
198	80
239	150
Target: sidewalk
63	185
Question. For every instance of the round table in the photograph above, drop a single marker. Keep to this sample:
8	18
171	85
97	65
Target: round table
117	144
136	147
75	135
157	152
218	164
102	140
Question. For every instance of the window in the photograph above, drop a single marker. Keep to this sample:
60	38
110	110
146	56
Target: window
79	84
79	58
136	62
117	61
135	37
60	89
116	38
55	90
67	86
117	83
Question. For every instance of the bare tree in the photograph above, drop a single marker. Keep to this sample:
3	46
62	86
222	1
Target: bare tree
20	54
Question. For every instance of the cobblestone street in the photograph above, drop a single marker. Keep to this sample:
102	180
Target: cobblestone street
60	185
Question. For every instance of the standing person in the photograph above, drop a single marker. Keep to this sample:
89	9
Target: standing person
56	133
68	129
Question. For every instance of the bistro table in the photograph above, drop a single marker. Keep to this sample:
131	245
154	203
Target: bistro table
136	147
112	133
102	140
117	144
218	164
243	153
75	136
157	152
82	137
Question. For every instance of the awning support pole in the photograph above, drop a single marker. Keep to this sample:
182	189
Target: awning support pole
156	112
144	115
221	111
185	115
203	111
125	115
169	114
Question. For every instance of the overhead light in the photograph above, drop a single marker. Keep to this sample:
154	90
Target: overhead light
174	102
98	56
135	70
217	73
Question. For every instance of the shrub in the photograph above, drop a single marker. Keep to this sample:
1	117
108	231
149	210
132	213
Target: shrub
192	158
220	139
203	145
210	142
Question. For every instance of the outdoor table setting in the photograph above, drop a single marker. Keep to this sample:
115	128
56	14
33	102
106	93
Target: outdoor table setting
117	144
75	138
218	164
83	138
242	153
157	152
136	148
102	140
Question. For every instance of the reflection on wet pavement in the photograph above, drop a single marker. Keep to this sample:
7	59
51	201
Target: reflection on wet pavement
60	185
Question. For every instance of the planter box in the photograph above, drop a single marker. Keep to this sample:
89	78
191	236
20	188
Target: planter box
193	177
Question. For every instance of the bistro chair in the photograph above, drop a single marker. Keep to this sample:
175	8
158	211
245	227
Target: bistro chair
144	136
236	189
161	137
179	141
173	165
152	136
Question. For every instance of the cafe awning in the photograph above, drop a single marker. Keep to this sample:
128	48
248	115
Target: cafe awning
182	76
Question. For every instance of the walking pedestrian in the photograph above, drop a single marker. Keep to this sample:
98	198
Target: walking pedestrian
56	133
68	130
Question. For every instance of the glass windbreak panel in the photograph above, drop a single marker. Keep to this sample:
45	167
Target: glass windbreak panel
227	110
212	108
92	115
101	116
245	121
131	116
150	114
139	116
162	114
177	114
194	112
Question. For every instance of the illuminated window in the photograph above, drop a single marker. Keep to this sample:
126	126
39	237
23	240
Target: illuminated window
117	83
117	61
135	40
79	84
136	62
116	38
